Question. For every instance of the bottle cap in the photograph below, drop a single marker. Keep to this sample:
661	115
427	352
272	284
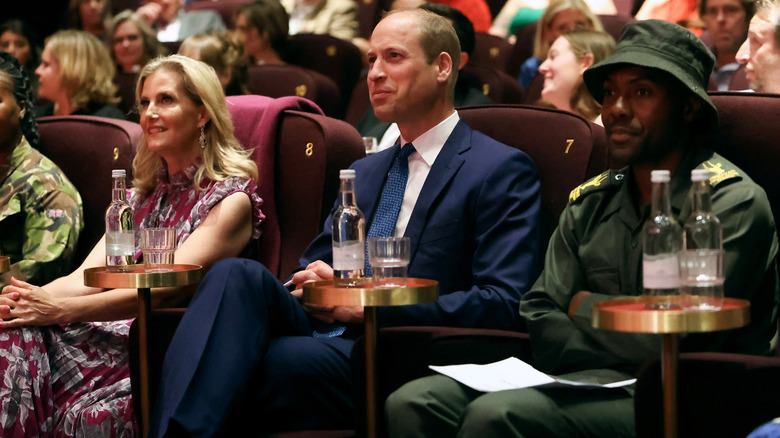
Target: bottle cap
698	175
659	176
117	173
346	173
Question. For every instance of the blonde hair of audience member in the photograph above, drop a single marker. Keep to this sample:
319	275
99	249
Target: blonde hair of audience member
77	9
562	16
223	52
570	55
503	20
150	45
760	53
263	28
86	71
223	156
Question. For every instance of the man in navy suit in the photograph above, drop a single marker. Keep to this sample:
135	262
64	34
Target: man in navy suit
470	208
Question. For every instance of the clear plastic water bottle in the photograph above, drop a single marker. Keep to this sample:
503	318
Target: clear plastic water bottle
701	260
661	245
349	236
120	227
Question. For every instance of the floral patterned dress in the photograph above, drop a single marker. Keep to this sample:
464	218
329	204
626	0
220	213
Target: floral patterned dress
73	380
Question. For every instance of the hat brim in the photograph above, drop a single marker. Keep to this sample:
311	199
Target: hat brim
595	76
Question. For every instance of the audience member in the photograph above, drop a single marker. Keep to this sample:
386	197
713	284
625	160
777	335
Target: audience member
190	174
338	18
656	113
19	39
90	16
466	93
682	12
517	13
263	29
222	51
561	16
470	209
477	11
173	23
40	210
726	22
569	56
133	43
76	75
760	53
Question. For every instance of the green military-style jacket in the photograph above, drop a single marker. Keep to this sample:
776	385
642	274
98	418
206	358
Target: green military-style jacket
597	248
40	217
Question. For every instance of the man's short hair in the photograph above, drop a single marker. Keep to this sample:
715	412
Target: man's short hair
769	10
462	25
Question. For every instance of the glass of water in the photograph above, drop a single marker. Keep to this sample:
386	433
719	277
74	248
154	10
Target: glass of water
158	246
389	259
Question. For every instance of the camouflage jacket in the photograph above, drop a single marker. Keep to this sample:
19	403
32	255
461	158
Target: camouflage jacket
40	217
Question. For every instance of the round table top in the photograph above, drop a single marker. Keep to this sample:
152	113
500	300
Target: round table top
631	315
5	264
181	275
325	293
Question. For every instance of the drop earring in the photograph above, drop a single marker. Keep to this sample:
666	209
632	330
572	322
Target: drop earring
202	138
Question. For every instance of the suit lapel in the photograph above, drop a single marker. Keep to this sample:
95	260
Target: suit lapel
447	163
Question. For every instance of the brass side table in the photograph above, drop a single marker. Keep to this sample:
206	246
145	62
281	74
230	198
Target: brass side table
325	293
5	264
630	315
181	275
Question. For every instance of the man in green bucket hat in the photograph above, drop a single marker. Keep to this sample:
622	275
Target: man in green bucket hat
655	112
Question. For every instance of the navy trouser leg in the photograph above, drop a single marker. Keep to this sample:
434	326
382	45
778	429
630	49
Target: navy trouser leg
220	345
306	385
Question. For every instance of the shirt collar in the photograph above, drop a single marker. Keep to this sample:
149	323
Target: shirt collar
430	143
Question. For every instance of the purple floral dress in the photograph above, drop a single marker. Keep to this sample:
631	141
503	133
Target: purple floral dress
73	380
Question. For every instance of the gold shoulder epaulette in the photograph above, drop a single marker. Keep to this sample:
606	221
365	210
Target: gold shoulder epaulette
591	185
720	171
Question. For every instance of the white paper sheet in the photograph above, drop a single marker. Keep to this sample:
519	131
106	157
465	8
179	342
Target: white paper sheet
510	373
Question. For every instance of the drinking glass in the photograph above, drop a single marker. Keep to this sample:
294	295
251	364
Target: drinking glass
389	259
158	246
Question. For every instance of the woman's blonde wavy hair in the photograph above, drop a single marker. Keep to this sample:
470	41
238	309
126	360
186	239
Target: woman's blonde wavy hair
86	68
223	157
556	6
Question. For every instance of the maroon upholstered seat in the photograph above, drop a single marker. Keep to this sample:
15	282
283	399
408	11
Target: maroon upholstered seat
87	148
721	394
359	101
292	80
533	93
333	57
491	51
499	86
126	83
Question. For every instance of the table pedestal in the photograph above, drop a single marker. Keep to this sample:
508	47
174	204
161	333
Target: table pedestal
324	293
181	275
630	315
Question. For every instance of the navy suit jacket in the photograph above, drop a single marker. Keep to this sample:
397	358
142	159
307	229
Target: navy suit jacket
474	229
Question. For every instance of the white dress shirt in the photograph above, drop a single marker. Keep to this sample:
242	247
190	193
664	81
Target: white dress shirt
428	146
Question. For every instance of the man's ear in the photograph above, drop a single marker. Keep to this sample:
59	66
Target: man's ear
692	108
444	63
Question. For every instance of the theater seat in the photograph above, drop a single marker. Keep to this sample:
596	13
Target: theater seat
292	80
87	148
491	51
499	86
333	57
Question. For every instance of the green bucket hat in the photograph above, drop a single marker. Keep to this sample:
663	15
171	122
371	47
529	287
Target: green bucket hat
661	45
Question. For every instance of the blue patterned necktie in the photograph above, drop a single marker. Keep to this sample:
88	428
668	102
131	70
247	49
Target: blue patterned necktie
383	224
386	214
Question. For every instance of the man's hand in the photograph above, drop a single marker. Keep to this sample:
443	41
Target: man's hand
150	13
319	271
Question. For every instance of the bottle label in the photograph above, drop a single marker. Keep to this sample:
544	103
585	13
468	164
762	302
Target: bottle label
348	255
660	272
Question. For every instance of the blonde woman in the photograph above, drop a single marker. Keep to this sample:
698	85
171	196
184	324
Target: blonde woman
223	51
561	16
76	75
569	56
190	174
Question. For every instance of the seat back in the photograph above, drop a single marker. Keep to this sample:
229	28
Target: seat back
359	101
492	51
369	12
564	146
292	80
87	148
533	93
333	57
126	83
499	86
